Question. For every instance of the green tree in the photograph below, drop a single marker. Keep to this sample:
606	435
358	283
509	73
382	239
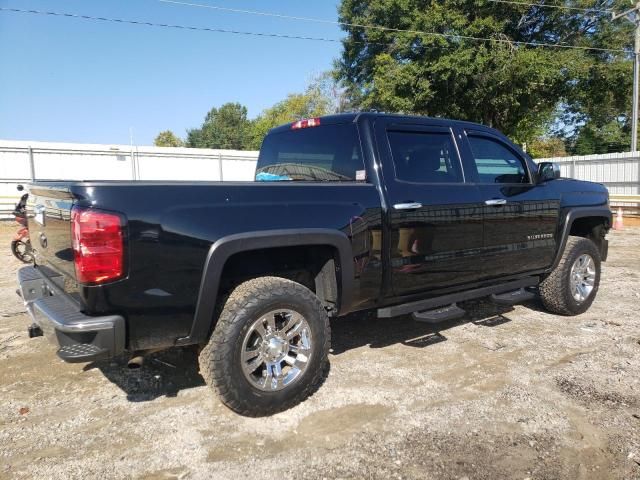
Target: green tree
313	103
225	127
599	108
546	147
228	126
167	138
325	85
613	136
501	83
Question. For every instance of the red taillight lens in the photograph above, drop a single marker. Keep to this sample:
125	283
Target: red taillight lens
98	245
306	123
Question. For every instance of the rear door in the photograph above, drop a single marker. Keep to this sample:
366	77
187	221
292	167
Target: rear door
520	217
435	217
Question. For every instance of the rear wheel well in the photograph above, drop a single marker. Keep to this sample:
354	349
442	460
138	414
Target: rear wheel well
313	266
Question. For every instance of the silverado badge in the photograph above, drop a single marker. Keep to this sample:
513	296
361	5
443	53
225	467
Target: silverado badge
539	236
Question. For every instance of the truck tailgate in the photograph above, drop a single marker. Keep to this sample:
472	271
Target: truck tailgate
49	212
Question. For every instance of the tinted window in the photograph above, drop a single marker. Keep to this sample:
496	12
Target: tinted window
425	157
327	153
496	163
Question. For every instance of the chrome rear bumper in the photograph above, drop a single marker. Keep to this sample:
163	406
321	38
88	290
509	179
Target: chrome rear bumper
80	338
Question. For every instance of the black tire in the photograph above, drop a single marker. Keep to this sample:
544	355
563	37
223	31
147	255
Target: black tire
221	359
555	289
22	251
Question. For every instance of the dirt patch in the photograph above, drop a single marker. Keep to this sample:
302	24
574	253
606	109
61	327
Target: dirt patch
588	394
501	393
322	430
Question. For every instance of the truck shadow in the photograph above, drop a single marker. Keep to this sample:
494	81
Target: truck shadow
365	329
167	372
163	374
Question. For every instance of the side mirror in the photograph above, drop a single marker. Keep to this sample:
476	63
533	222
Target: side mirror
548	171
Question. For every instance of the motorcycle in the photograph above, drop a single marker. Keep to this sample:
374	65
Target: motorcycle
21	244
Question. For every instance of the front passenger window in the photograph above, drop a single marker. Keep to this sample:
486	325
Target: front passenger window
495	162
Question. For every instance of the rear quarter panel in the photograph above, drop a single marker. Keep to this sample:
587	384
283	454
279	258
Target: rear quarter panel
172	226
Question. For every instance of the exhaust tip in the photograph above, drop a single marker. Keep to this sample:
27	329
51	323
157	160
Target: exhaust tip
137	358
135	362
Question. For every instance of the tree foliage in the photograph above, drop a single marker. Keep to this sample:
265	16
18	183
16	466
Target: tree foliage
594	137
326	86
507	85
322	96
292	108
546	147
599	109
167	138
549	98
226	127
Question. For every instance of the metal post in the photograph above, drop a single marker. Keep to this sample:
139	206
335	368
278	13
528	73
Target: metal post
137	163
636	84
32	166
633	15
133	161
220	165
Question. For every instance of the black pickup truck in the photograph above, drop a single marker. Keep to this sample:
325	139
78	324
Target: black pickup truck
401	214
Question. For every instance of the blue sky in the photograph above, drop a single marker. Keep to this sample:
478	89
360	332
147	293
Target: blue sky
71	80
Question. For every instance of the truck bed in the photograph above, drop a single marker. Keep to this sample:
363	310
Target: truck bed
170	229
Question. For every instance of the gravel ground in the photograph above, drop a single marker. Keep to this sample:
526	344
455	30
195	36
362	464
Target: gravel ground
503	393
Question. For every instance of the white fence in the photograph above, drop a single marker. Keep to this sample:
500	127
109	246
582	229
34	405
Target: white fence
75	161
22	161
620	172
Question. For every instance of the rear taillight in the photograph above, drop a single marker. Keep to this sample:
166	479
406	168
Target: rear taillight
98	245
306	123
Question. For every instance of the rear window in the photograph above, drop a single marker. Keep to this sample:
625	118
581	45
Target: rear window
329	153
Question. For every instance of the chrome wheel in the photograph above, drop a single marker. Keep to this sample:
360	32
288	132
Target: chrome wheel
276	350
582	277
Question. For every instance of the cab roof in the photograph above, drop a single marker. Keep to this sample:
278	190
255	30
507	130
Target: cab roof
353	117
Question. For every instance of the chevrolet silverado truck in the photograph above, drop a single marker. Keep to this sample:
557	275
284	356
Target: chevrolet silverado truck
402	215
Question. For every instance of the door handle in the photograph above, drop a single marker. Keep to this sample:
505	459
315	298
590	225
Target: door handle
407	206
496	201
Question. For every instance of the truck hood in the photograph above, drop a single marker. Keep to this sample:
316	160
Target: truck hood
580	193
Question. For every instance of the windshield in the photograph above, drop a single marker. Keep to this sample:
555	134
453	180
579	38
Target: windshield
328	153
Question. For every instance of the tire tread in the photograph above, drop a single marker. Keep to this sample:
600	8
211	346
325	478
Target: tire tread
215	366
554	289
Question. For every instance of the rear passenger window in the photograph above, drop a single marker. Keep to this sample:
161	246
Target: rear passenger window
327	153
425	157
495	162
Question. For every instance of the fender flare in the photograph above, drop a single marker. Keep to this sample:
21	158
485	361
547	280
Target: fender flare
573	214
230	245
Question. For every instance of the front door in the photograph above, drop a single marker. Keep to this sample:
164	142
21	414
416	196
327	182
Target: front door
520	216
434	217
